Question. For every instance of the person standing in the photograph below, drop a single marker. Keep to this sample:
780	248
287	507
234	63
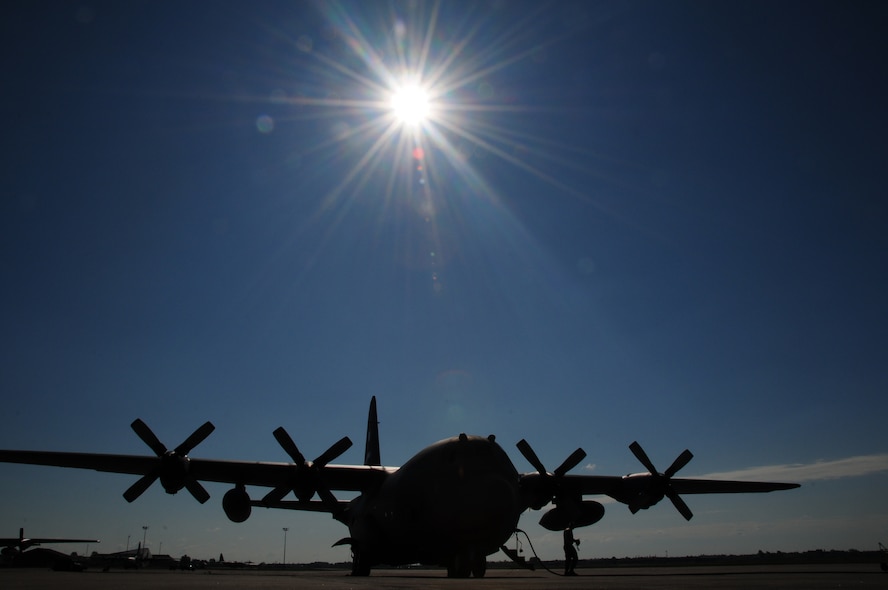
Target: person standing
570	551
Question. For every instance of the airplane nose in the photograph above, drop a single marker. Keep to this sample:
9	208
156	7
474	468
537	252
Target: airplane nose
488	503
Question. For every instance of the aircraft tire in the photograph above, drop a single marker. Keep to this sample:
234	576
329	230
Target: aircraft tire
360	565
479	567
360	571
460	567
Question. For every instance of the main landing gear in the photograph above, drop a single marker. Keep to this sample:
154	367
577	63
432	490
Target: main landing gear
464	566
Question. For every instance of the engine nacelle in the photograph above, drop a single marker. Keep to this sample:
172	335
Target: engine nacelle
572	514
236	504
173	472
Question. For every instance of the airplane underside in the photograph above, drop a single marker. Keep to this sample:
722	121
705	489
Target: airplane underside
461	563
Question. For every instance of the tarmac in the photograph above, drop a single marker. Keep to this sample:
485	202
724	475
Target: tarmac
808	577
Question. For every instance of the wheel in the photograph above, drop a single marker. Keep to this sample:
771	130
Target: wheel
360	564
479	567
460	567
359	570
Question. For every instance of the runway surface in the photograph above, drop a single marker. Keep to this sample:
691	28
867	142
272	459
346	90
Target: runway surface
806	577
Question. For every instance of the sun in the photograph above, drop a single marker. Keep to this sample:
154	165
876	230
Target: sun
410	104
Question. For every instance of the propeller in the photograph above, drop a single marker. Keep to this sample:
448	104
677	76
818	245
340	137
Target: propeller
661	485
172	466
550	487
307	478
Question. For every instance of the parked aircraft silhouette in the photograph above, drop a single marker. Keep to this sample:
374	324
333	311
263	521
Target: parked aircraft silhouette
23	551
452	504
22	542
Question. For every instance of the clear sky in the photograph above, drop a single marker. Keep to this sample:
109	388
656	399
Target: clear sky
652	221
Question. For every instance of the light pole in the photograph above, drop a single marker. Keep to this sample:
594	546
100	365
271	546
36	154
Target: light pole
127	543
144	535
285	546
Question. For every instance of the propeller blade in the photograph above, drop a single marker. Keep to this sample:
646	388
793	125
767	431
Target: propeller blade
195	439
148	437
662	480
306	481
198	491
339	447
572	461
170	466
289	446
679	462
679	504
531	457
276	495
327	496
138	488
642	457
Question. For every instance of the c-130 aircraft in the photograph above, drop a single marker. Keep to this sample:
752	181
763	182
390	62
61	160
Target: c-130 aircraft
452	504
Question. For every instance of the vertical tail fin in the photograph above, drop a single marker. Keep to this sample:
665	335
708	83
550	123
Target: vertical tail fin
371	448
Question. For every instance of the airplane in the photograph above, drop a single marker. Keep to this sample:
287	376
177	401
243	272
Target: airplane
452	504
21	543
22	551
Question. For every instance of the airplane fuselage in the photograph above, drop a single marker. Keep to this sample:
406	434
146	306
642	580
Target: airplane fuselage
458	499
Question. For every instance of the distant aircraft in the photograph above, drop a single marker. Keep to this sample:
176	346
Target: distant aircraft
18	552
452	504
21	543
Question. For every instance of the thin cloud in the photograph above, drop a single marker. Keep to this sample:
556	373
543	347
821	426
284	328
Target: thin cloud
817	471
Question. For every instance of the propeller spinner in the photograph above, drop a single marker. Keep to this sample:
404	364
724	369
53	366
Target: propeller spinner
172	466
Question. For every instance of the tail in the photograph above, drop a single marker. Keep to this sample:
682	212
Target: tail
371	448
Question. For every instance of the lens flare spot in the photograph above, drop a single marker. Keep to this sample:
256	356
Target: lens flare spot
485	90
265	124
304	43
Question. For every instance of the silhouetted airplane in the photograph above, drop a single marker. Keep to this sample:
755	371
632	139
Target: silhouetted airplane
20	543
452	504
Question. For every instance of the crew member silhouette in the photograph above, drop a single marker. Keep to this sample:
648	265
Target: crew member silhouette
570	551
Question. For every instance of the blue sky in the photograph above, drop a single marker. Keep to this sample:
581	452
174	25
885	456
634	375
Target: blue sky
661	222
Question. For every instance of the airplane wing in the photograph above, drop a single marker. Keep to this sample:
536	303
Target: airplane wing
618	487
133	464
258	473
638	491
176	470
714	486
